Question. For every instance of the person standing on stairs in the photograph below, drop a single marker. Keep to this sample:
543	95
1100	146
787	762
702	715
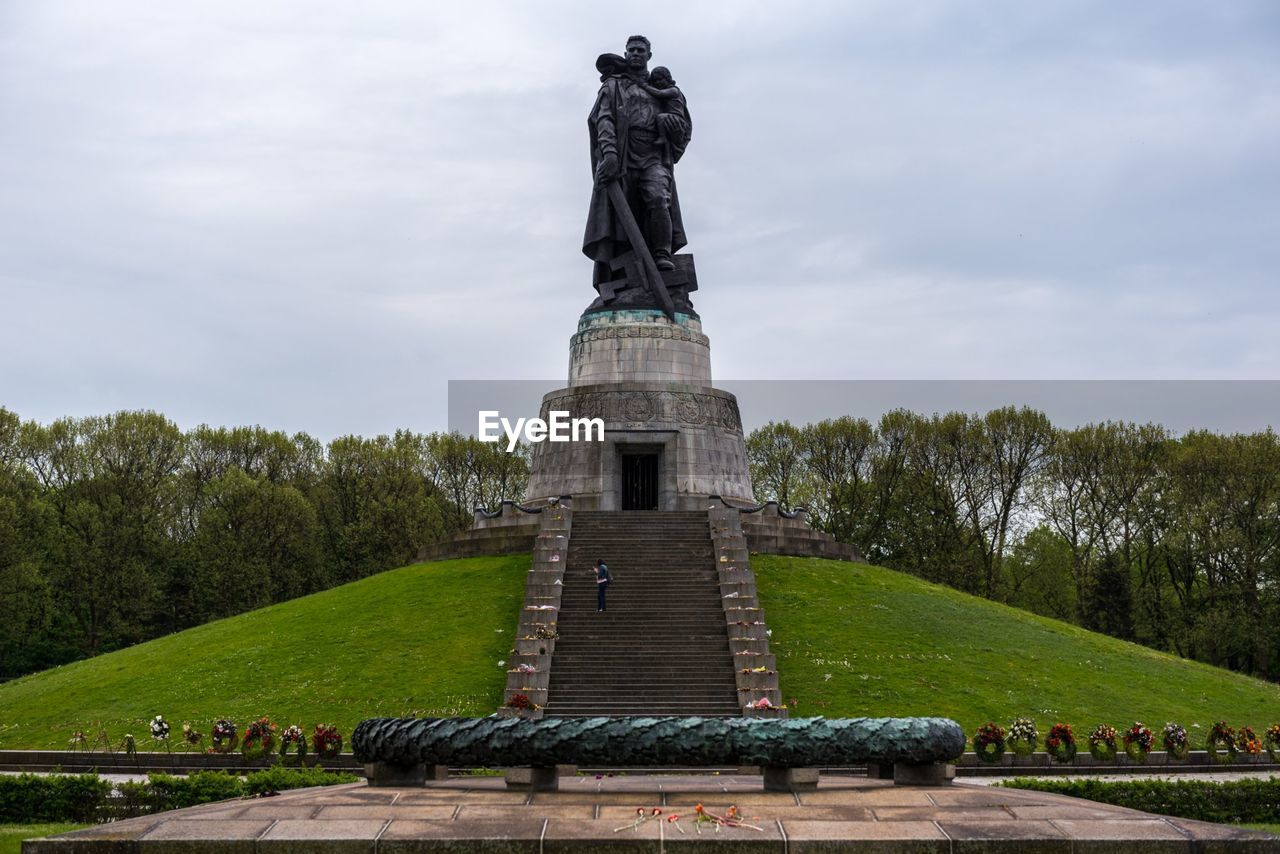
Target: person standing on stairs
602	584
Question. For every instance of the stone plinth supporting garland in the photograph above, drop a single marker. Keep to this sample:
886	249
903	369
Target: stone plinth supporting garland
755	668
398	751
536	631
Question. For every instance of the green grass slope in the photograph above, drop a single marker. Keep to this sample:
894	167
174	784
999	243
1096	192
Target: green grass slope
853	640
424	640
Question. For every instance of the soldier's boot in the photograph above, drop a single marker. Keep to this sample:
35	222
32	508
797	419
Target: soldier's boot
660	238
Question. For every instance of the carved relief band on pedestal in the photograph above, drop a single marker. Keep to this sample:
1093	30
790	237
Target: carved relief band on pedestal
669	332
649	407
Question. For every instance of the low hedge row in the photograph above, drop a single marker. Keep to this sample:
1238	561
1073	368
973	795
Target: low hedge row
1238	801
33	798
83	798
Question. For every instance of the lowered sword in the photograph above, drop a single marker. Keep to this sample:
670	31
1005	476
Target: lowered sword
653	277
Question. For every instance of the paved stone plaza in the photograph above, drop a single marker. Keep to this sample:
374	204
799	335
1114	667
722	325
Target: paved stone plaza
481	814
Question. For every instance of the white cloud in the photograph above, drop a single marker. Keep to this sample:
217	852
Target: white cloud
310	215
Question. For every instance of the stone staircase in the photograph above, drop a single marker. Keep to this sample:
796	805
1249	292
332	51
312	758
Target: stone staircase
662	647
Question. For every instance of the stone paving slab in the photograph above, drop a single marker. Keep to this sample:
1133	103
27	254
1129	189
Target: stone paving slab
596	814
516	836
899	837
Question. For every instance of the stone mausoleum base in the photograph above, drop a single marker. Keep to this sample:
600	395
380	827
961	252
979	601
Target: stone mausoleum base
649	380
480	814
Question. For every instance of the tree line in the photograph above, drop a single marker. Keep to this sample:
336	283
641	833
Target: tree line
1169	541
115	529
119	528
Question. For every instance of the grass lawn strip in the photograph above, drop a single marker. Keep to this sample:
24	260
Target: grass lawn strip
1269	828
11	835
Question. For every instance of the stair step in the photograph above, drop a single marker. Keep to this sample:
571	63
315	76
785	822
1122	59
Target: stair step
662	647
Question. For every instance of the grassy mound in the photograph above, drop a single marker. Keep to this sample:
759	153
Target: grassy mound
853	639
424	640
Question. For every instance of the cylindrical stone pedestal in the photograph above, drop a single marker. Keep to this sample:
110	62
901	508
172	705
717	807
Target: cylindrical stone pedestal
649	380
639	346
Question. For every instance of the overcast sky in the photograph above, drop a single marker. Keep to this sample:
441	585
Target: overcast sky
311	215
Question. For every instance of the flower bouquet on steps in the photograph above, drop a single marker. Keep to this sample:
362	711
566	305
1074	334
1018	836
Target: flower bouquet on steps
327	741
1175	742
1022	737
1061	743
1271	741
1248	742
1221	743
258	740
293	746
1102	743
224	737
1138	741
988	742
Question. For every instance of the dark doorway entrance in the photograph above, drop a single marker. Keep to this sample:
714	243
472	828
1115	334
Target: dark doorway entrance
639	481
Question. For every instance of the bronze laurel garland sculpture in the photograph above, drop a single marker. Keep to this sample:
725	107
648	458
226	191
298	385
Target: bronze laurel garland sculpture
649	742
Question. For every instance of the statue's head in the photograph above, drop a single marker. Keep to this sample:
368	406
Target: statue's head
660	78
638	53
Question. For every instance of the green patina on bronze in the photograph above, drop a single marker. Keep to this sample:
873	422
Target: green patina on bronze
653	742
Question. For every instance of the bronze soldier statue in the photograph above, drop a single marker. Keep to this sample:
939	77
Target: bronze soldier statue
639	129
